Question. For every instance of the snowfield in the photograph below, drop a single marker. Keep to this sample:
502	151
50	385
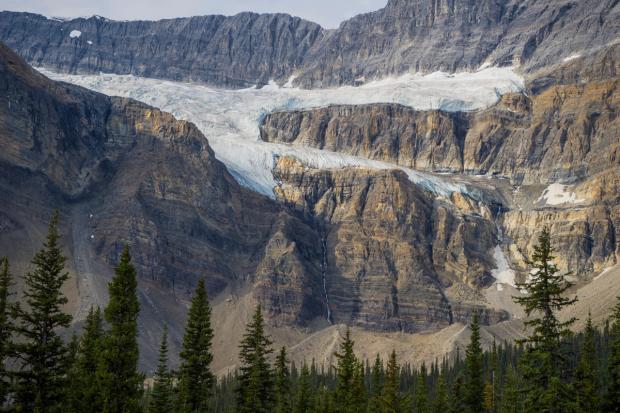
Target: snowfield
558	194
230	118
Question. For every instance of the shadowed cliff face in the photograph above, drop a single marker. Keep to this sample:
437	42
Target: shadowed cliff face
123	172
238	51
248	49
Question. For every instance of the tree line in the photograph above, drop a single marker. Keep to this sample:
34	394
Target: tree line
551	370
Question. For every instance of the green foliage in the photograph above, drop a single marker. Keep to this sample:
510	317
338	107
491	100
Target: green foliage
543	364
196	380
119	381
6	327
474	381
392	400
282	383
348	393
161	395
421	392
84	386
612	398
41	351
256	384
376	386
440	402
586	383
303	395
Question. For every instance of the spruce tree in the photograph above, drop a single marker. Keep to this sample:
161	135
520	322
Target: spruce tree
421	392
303	395
282	383
441	403
43	354
161	395
376	386
586	381
543	363
359	388
117	373
6	327
612	397
346	366
510	400
73	391
88	360
457	402
474	382
256	387
196	381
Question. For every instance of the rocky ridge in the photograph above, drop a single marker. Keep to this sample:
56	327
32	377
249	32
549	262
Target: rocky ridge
249	49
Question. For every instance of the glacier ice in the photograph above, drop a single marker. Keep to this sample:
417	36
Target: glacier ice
230	118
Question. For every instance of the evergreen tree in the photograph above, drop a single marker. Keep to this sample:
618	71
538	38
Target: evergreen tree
255	392
303	396
6	327
359	388
87	363
488	402
282	383
376	386
612	397
71	400
118	377
421	392
161	395
586	383
474	383
440	403
196	381
42	352
392	400
457	403
346	399
510	402
543	362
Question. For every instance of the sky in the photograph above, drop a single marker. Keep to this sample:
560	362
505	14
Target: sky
328	13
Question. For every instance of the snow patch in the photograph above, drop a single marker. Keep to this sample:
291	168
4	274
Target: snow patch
572	57
558	194
230	119
503	274
75	34
289	82
89	42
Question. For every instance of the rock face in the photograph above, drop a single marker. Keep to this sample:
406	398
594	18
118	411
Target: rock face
247	49
238	51
562	132
389	248
562	136
123	172
366	247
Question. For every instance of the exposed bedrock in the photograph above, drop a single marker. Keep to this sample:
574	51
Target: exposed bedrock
391	248
250	49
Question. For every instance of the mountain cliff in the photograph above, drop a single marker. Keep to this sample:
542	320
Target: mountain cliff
333	248
250	49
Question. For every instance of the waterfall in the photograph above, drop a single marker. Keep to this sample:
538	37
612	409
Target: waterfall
324	273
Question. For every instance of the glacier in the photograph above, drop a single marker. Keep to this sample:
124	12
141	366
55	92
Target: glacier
230	119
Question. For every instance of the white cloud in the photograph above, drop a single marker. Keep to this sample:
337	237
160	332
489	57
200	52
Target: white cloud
328	13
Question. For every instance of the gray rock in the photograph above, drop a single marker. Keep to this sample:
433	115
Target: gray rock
248	49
